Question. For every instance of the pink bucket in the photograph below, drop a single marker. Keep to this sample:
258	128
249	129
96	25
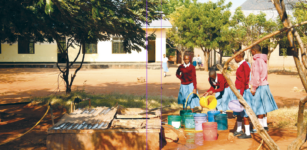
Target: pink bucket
235	106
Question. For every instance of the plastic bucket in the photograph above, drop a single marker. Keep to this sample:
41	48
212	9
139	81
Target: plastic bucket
209	131
235	106
211	115
174	121
208	102
189	122
182	112
222	122
199	120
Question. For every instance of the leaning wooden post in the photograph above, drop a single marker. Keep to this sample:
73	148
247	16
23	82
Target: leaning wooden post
301	130
264	135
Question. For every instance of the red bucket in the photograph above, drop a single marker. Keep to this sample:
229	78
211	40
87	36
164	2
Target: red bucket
210	131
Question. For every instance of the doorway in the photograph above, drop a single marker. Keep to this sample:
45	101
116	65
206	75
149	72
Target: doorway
152	51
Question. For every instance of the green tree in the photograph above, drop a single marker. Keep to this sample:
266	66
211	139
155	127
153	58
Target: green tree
200	24
82	21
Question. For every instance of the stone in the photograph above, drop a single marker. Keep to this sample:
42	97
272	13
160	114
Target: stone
231	137
170	134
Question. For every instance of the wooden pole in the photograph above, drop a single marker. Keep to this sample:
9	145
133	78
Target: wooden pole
264	135
51	113
301	130
262	39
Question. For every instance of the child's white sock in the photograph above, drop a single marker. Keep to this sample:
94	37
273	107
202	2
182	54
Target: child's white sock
265	122
239	126
261	122
164	74
247	131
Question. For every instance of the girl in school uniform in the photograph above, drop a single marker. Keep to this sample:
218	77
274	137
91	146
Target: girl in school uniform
194	61
221	89
242	84
164	64
263	98
187	75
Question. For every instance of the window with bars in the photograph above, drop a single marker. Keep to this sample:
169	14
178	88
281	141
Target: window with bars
90	48
62	43
25	46
118	45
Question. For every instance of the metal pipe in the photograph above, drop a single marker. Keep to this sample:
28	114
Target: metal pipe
102	111
95	126
76	126
70	126
93	110
107	111
83	126
100	125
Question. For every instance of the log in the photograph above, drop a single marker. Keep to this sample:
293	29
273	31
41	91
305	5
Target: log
301	132
264	135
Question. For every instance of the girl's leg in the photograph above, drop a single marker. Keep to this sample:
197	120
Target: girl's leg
247	130
239	126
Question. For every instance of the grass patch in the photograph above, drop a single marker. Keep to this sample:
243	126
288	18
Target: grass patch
109	100
285	117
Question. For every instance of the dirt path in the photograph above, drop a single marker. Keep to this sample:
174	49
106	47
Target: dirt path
16	85
19	84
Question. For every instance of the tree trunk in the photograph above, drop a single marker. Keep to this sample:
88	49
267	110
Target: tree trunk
301	132
175	62
182	55
221	56
206	64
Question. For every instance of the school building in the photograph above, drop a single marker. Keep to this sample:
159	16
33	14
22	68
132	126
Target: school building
103	54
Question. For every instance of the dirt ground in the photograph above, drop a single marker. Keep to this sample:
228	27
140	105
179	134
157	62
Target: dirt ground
17	85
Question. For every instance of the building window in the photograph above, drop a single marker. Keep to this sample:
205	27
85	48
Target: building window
25	46
62	44
118	46
90	48
265	50
285	51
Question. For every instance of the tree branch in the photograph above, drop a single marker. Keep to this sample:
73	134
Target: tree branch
262	39
76	57
264	135
73	76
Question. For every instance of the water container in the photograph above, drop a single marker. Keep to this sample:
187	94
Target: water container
221	120
210	131
211	115
199	119
182	112
174	121
189	122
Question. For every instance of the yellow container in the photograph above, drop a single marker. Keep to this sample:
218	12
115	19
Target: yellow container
209	102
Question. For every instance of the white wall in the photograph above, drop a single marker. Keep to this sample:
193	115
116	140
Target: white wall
43	52
47	52
275	60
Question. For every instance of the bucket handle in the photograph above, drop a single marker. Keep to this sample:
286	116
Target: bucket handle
186	102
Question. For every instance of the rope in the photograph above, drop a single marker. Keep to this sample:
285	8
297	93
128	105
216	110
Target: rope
260	145
29	129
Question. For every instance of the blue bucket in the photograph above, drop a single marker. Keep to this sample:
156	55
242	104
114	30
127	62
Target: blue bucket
211	115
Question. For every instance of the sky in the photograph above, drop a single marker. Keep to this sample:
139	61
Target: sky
235	3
